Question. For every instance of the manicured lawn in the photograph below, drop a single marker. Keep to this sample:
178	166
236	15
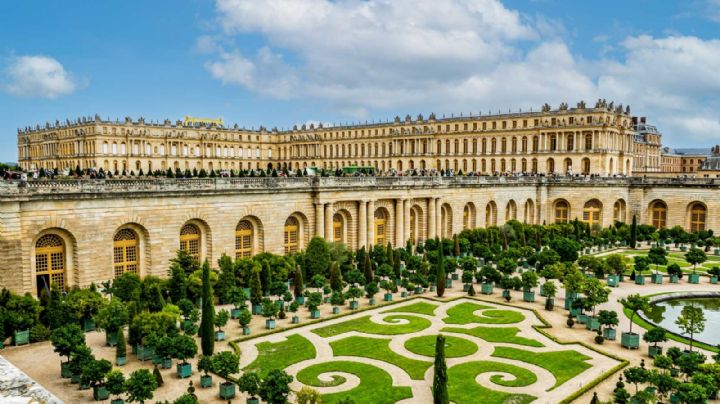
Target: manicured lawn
376	348
675	258
419	308
564	365
496	334
364	324
375	384
280	355
463	313
463	389
455	347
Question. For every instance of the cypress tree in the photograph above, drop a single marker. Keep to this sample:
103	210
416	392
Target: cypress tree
440	271
335	277
207	323
158	376
120	348
633	233
256	293
456	246
440	392
390	254
360	257
368	269
396	268
298	282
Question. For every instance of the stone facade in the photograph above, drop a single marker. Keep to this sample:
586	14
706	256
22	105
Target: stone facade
72	229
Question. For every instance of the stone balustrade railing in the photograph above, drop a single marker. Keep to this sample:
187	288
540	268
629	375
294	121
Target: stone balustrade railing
9	188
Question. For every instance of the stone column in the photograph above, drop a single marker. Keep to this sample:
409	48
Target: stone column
362	224
431	229
371	224
319	219
399	223
329	229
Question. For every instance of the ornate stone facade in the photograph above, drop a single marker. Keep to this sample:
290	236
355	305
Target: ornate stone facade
77	232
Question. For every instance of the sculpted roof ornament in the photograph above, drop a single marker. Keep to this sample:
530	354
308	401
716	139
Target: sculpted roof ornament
581	104
397	119
563	106
546	107
432	116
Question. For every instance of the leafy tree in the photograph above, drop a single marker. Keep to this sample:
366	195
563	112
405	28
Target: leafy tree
692	321
298	282
608	318
307	395
674	269
566	248
318	251
245	317
529	280
695	256
120	348
208	313
440	272
269	309
185	347
205	364
336	282
140	386
635	303
275	387
595	293
507	265
657	256
371	289
94	371
126	287
636	376
641	264
256	292
547	257
655	335
249	383
67	339
115	382
221	319
112	316
226	363
83	303
691	393
439	389
616	263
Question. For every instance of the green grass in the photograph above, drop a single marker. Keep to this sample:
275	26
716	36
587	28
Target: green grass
280	355
564	365
375	384
463	389
454	347
419	308
363	324
675	258
464	313
379	349
496	334
644	324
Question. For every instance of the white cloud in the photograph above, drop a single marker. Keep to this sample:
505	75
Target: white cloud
459	55
38	77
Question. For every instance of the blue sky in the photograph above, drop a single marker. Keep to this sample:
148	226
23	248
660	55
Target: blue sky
285	62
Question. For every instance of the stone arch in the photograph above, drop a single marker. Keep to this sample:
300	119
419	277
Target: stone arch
249	237
296	232
446	221
195	239
657	213
529	211
620	211
53	259
561	211
341	226
510	211
124	247
490	214
697	213
592	213
417	224
469	216
381	223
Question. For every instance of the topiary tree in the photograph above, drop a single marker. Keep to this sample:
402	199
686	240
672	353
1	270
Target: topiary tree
67	339
298	282
275	387
207	322
632	240
249	383
635	303
141	385
307	395
319	262
226	363
158	376
336	282
608	318
221	319
657	256
115	382
93	372
695	256
185	347
440	274
269	309
692	321
120	347
112	316
439	388
245	317
655	335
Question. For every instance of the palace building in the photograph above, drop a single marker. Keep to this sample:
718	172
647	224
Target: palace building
74	232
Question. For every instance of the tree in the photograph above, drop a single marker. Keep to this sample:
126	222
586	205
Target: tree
185	347
691	393
616	263
695	256
318	251
275	387
336	282
115	382
249	383
226	363
140	386
245	317
120	348
608	318
440	272
269	309
632	241
368	269
207	323
595	293
655	335
529	280
641	264
298	282
158	376
566	248
66	339
635	303
439	389
256	292
657	256
306	395
112	316
636	375
94	371
221	319
691	320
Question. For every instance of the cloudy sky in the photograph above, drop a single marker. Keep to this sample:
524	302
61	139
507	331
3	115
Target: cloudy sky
285	62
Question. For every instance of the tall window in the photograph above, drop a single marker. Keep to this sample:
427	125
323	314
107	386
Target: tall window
468	217
562	211
697	217
511	211
244	239
588	141
291	233
659	214
49	262
490	214
413	226
591	213
125	252
380	226
619	211
338	231
446	221
190	240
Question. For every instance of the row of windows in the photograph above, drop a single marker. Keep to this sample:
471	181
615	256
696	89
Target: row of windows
220	151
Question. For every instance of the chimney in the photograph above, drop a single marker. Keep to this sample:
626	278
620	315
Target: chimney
642	119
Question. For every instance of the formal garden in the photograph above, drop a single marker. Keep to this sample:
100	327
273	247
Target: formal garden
453	319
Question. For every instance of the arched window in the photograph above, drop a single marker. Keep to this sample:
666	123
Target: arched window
291	235
125	252
244	239
49	262
510	211
413	226
698	212
469	216
658	214
490	214
591	213
550	166
338	228
380	226
529	211
586	166
190	240
446	221
562	212
619	211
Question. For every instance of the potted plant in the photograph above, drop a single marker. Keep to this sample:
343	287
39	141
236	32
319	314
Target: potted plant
595	294
298	286
120	349
185	348
655	335
65	340
388	287
336	300
608	320
617	264
22	315
467	279
115	385
141	385
269	311
675	272
633	303
164	350
529	282
313	304
293	309
204	365
371	289
112	317
657	256
237	298
249	383
275	387
489	276
78	358
550	291
695	256
714	274
93	375
244	318
506	284
353	293
572	281
220	320
83	305
640	264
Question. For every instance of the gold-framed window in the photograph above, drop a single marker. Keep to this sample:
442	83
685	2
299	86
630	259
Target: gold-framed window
338	230
591	213
50	262
244	239
291	235
562	212
125	252
659	215
698	212
380	227
190	240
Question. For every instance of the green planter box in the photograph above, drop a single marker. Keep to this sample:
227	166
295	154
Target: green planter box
714	280
448	283
581	318
354	305
542	290
694	278
657	279
88	324
683	248
111	338
326	299
568	303
610	334
336	310
639	279
674	279
219	335
418	290
144	353
387	297
84	386
156	360
235	313
252	400
21	337
184	370
270	324
432	288
315	314
100	393
256	309
466	287
455	276
167	363
630	340
75	378
121	361
65	371
529	296
486	288
295	320
549	303
117	401
717	251
300	299
613	281
403	294
571	295
205	381
505	294
371	301
227	390
592	323
246	331
654	351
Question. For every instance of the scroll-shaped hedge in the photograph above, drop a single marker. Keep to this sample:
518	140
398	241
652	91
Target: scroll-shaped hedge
405	324
463	389
464	313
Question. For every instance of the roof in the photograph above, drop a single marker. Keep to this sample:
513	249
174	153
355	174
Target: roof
694	151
